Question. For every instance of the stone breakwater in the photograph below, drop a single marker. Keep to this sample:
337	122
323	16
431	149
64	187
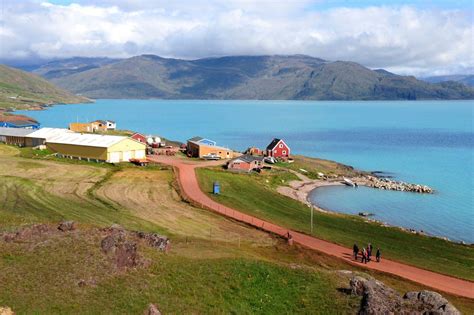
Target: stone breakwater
388	184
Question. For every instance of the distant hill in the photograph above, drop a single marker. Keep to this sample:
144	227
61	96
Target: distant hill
467	79
65	67
23	90
249	77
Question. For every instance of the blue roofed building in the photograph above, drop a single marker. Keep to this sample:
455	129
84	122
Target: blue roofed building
26	124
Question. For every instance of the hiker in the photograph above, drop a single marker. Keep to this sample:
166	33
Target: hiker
378	255
290	239
364	256
369	251
355	251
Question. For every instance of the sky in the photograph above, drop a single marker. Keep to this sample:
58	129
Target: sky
419	38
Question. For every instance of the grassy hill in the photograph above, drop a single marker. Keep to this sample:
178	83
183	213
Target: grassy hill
247	77
214	266
23	90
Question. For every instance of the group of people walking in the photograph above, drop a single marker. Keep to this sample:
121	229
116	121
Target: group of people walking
366	253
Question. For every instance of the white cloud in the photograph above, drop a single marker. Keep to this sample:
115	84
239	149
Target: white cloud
402	39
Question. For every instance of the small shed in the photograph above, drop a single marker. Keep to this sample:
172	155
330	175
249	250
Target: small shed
245	163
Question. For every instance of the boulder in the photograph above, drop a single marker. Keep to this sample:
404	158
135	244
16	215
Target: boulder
67	226
429	302
152	310
377	298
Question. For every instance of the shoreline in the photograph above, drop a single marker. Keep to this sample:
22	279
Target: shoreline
301	189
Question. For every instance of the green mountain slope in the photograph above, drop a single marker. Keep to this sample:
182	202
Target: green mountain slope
23	90
251	77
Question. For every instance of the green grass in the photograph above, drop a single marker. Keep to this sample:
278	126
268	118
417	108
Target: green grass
313	166
248	194
41	276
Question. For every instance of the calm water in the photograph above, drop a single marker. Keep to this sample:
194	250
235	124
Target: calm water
427	142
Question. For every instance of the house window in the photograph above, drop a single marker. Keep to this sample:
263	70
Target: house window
283	152
281	145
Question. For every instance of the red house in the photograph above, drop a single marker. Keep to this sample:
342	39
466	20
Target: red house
139	137
278	149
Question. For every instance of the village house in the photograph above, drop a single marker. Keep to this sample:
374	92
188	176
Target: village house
94	126
139	137
245	163
254	151
278	149
201	147
104	148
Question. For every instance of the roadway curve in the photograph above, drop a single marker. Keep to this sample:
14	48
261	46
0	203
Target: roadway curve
191	189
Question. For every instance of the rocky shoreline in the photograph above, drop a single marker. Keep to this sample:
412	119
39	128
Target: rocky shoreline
388	184
300	190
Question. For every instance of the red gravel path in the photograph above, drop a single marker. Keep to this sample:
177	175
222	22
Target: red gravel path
190	187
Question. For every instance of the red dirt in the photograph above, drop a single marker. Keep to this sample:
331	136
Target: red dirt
191	189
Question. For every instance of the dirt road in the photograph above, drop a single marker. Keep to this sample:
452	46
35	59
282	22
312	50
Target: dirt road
191	189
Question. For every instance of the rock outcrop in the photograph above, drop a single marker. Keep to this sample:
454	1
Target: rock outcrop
116	245
377	298
5	310
152	310
122	245
67	226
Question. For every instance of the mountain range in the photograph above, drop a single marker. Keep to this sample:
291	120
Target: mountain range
467	79
275	77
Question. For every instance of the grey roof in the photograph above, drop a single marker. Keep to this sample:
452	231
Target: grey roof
249	158
15	132
273	144
195	139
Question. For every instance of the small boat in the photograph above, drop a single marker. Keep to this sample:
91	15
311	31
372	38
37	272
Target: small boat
348	182
270	160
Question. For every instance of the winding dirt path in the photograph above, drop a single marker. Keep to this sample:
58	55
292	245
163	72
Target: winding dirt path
190	187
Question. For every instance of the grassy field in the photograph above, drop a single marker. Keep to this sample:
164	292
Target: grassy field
215	265
254	195
313	166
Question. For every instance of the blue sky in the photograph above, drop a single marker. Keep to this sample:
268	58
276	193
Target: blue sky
407	37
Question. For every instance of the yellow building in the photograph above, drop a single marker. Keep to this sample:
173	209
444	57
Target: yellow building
200	147
110	149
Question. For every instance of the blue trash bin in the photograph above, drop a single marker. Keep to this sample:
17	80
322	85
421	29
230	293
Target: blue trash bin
216	188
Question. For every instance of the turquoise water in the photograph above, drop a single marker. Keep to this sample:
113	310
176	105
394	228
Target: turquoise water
427	142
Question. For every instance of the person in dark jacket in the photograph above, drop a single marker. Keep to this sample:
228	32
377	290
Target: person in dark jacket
378	255
355	251
369	251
